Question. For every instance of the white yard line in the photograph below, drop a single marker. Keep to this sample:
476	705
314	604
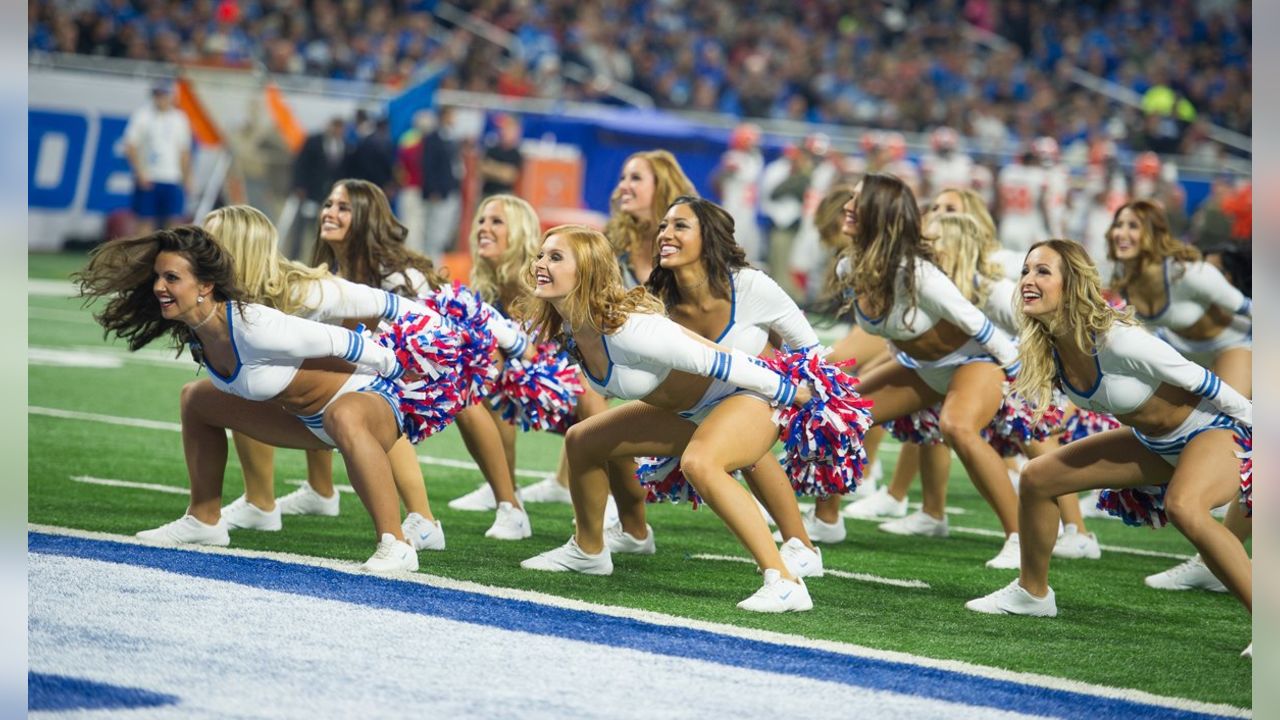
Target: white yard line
862	577
848	649
108	482
55	315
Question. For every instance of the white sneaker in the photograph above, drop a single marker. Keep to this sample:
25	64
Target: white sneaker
778	595
306	501
621	541
478	500
1010	556
1073	544
1012	599
546	490
611	511
511	523
392	555
1247	652
570	558
800	560
242	514
188	530
879	504
421	533
917	523
1089	507
823	532
870	484
1190	575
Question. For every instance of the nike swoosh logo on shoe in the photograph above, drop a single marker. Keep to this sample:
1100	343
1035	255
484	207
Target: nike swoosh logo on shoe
424	536
787	595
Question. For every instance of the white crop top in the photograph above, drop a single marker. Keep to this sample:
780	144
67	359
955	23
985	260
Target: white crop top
1190	290
759	306
648	347
999	306
937	299
270	346
1132	364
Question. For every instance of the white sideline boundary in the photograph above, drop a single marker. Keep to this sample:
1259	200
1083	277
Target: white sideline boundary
861	577
468	465
849	649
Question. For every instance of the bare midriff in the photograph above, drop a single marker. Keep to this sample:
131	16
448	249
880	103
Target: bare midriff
936	343
1163	412
317	381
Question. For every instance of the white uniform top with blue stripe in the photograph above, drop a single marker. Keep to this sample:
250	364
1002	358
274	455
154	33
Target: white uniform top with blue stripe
1190	290
644	351
270	346
759	306
937	299
1132	364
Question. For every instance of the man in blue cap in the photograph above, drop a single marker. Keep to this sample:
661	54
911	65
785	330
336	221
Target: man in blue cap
157	143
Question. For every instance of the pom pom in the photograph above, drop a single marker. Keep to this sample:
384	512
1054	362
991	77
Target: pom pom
1136	506
662	478
430	350
468	317
1084	423
1015	424
822	440
1244	438
538	394
920	427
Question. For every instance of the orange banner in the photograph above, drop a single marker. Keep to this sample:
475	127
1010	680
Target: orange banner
203	127
290	129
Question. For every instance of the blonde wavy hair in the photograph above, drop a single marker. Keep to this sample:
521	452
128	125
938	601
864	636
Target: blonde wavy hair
491	279
964	251
971	204
1084	312
598	301
265	276
624	231
1155	243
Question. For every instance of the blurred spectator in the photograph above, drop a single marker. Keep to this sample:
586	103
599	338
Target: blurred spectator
320	163
157	144
374	157
502	162
441	185
737	182
782	188
409	202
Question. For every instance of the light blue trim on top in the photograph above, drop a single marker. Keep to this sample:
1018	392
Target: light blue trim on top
1057	361
231	333
733	306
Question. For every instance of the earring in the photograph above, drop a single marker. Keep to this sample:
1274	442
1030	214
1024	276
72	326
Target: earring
199	298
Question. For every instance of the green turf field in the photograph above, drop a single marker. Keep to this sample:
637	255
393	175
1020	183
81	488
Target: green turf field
1111	629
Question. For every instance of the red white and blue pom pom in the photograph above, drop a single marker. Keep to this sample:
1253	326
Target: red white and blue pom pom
1244	438
665	482
428	351
920	427
1015	424
1137	506
822	440
468	316
1084	423
538	394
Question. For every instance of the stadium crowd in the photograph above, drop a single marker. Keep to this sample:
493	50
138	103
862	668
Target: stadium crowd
897	65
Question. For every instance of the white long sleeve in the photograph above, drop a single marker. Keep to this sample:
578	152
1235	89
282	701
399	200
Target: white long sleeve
269	334
1152	358
1209	287
940	298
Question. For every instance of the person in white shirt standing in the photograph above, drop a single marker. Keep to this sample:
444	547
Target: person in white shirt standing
737	181
157	143
1023	212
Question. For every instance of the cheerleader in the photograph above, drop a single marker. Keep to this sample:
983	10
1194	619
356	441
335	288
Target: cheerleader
629	350
649	183
704	282
268	278
947	350
285	381
1187	303
1177	459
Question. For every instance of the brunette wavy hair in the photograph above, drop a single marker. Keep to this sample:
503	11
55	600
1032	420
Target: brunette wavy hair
374	248
887	239
122	271
1155	243
721	254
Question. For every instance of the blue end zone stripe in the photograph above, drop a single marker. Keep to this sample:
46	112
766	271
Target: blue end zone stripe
59	693
605	630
